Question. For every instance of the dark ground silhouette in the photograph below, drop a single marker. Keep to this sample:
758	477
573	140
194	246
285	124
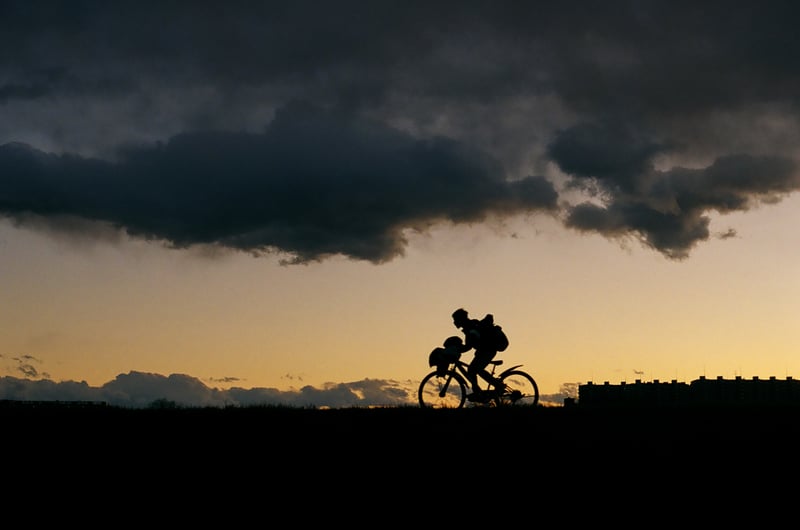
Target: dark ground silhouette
407	461
565	430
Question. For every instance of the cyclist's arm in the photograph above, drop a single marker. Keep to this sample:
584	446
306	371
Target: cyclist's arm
471	339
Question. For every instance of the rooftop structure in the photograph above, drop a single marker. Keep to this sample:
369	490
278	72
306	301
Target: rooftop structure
702	391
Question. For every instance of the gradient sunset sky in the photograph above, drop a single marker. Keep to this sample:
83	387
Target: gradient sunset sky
287	200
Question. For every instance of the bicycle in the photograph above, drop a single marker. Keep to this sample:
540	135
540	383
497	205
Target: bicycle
446	387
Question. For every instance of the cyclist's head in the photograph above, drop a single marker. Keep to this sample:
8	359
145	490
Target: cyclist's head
460	316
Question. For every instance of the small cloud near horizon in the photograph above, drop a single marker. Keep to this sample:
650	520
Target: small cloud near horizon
143	390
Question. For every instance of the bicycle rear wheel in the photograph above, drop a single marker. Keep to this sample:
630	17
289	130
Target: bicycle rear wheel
447	391
521	390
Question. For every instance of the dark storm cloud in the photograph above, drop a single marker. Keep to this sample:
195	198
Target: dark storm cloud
631	57
666	210
314	184
612	153
19	91
622	97
179	42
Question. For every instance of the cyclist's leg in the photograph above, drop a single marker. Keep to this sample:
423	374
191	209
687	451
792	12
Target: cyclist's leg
478	367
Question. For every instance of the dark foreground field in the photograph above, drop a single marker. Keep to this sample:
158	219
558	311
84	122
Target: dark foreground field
567	431
403	461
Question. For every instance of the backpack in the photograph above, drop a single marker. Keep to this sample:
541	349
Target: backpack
493	334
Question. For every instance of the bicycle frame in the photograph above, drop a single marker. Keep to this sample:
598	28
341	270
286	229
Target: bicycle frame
509	387
487	375
461	367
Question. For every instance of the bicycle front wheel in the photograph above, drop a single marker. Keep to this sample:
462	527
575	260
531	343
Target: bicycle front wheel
520	390
447	391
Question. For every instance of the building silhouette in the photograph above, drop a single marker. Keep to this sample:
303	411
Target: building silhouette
700	392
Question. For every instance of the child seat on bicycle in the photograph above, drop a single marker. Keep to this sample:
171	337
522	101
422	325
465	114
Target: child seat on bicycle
443	357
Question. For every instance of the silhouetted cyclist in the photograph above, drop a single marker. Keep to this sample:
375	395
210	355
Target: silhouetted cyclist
484	349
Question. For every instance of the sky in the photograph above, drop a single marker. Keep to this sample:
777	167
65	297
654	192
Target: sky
283	202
